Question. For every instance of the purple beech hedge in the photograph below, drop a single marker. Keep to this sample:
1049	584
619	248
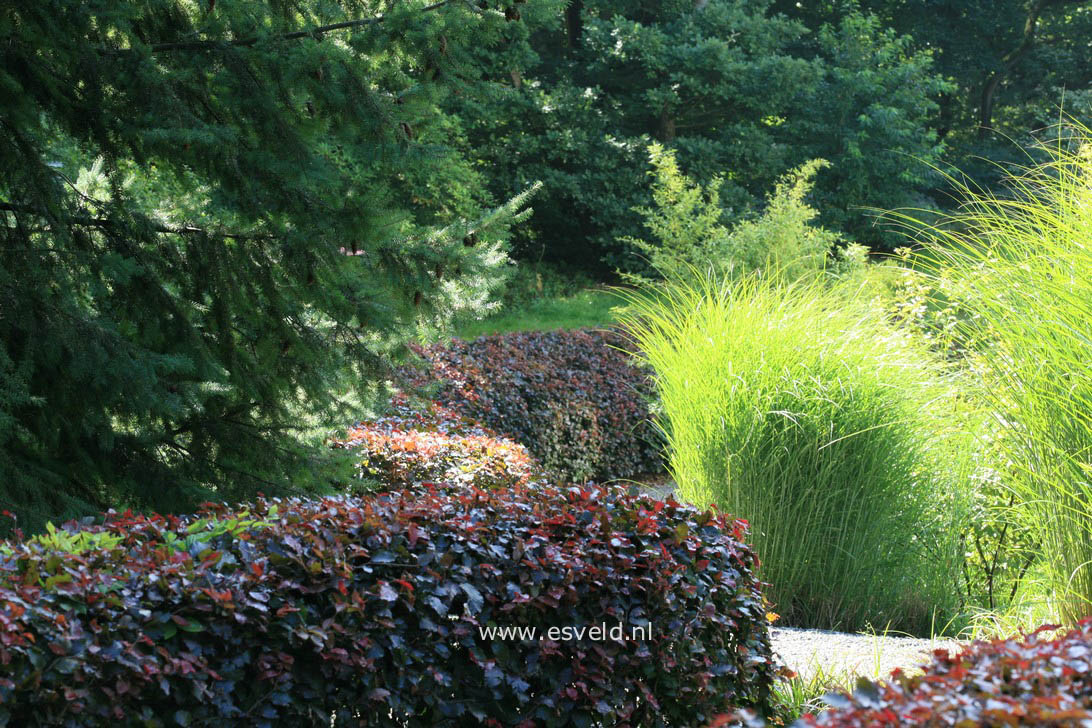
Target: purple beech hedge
575	399
429	443
284	612
1029	681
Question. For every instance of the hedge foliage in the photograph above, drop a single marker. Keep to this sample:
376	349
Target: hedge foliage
290	611
573	398
433	443
1029	681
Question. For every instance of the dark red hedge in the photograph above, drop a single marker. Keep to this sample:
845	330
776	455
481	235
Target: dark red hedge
290	611
411	445
1033	681
574	399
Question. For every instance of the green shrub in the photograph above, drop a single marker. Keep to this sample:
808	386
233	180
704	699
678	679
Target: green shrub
807	414
371	610
686	224
783	237
531	282
1024	266
999	546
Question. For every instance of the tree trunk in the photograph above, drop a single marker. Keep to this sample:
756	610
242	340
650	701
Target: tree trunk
574	24
666	132
986	102
988	95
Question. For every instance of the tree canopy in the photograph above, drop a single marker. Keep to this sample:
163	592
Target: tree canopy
1010	65
736	89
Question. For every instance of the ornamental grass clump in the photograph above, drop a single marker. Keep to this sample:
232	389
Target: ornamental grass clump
802	411
1023	263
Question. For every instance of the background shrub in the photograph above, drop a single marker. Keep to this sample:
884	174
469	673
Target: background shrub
1030	681
574	400
1001	547
804	412
289	611
433	443
687	224
531	282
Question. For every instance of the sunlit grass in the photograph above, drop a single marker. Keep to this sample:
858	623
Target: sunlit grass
792	697
833	434
1023	263
590	308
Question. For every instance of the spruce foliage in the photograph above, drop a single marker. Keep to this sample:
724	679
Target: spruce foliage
215	219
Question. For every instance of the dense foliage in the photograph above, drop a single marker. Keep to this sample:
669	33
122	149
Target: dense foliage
213	218
1010	64
733	88
575	399
432	443
1033	681
288	612
689	235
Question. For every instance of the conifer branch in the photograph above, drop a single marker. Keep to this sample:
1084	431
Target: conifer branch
197	45
105	222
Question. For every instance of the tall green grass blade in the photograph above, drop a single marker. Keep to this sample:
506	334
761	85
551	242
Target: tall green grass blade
1024	263
805	413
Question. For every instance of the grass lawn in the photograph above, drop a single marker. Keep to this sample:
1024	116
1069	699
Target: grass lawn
587	309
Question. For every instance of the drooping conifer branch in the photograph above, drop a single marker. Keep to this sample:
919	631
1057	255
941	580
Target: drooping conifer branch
197	45
105	222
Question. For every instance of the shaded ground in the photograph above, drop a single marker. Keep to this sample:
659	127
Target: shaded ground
658	485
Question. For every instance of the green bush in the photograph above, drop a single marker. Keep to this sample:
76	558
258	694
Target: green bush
806	413
1024	265
532	282
1000	547
783	238
686	224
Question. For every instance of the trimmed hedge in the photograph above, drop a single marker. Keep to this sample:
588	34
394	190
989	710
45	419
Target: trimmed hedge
574	399
410	446
1030	681
288	612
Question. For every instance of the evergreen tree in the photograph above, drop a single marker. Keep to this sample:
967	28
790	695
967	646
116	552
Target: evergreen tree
869	114
1008	66
215	219
736	90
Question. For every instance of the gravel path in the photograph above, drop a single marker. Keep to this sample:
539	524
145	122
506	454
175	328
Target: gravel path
838	653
